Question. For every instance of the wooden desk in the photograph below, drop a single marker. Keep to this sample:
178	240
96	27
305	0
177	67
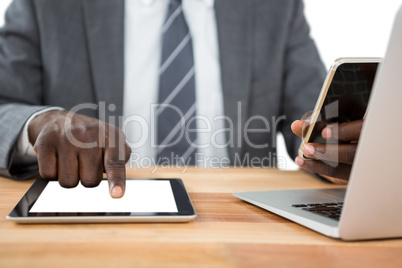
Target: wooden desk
227	232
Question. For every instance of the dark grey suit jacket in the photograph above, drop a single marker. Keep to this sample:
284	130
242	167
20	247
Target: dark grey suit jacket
67	52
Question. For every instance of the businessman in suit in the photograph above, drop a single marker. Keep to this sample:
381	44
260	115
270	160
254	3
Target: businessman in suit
253	71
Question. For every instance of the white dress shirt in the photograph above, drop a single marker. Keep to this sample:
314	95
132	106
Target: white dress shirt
143	43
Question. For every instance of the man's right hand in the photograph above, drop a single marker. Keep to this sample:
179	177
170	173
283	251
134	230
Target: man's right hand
72	147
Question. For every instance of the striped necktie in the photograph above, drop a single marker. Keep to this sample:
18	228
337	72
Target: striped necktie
177	106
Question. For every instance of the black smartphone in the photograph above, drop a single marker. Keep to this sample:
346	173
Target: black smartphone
344	96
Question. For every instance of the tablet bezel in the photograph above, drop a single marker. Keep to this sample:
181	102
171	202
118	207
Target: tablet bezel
21	213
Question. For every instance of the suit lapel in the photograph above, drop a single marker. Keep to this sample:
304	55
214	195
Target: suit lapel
104	22
234	22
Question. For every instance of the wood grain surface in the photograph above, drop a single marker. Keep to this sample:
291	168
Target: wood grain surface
227	232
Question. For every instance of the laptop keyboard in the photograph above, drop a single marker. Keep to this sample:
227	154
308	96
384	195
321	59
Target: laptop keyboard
329	210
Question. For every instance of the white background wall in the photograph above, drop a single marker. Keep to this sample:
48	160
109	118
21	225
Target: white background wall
341	28
351	28
3	6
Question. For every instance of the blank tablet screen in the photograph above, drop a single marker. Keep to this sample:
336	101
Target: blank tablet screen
144	200
141	196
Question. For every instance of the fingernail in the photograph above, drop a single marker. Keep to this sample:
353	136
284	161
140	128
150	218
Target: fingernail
326	133
117	192
299	161
308	149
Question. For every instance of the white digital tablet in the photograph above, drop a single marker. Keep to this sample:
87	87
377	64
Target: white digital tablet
145	200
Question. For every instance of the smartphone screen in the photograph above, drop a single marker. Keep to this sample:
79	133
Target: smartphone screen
347	97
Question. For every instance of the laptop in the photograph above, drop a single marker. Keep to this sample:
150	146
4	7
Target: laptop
370	206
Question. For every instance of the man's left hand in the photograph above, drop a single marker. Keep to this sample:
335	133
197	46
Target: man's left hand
333	161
